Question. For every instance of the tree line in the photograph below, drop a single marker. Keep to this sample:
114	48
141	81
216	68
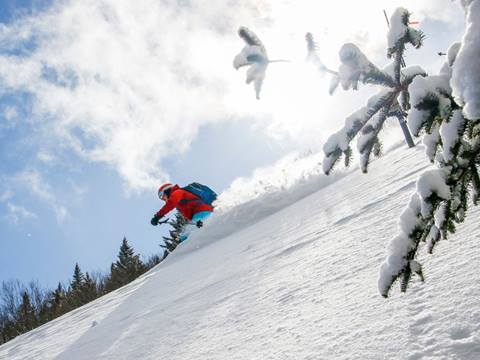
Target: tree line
25	307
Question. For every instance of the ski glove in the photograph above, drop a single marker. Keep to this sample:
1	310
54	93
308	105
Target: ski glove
155	220
199	223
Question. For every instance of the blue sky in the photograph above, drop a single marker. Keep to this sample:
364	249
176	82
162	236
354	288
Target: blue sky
102	101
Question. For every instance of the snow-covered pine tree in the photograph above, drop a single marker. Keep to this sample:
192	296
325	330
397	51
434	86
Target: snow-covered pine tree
452	141
255	56
314	58
391	101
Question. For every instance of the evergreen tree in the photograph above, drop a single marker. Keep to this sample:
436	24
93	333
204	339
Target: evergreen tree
255	57
6	327
10	302
56	302
391	101
126	269
452	141
22	308
171	242
75	296
26	319
89	289
78	278
152	261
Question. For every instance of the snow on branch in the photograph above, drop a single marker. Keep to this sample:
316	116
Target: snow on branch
312	57
446	108
413	226
441	198
450	133
395	97
400	33
429	99
466	72
357	67
401	246
338	143
368	138
253	55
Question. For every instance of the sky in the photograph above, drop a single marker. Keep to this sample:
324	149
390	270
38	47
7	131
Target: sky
101	101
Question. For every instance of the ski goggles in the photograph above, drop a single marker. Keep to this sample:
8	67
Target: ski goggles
162	193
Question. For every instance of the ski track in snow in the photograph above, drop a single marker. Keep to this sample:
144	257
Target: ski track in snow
299	284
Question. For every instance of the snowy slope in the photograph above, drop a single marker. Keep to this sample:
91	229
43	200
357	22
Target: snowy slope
299	284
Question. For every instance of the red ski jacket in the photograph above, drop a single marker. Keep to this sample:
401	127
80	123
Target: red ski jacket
187	203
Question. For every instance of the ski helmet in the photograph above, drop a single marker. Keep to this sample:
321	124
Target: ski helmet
162	189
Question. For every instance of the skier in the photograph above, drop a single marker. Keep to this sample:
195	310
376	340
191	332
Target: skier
194	202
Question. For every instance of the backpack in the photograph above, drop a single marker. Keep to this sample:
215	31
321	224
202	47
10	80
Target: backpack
207	195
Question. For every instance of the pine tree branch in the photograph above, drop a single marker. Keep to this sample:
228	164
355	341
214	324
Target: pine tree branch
369	137
339	142
377	77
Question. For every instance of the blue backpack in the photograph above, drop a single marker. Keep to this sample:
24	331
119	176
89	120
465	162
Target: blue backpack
207	195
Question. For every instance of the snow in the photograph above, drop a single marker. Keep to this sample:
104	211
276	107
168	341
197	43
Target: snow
419	89
397	28
256	71
431	142
312	55
413	70
452	53
334	82
367	137
449	132
255	56
354	64
433	182
353	123
300	282
248	51
466	69
466	3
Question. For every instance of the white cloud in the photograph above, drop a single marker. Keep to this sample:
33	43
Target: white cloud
6	195
130	83
10	113
33	182
16	213
46	157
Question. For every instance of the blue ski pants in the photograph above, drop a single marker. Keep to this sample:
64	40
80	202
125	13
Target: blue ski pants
200	216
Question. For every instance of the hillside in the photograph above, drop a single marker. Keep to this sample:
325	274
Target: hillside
299	283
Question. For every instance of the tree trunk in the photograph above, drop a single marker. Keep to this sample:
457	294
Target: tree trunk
406	132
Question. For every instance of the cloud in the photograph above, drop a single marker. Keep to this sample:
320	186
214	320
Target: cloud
10	113
46	157
33	182
6	195
130	84
17	213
